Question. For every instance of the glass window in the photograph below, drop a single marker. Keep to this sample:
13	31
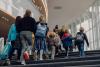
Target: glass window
86	24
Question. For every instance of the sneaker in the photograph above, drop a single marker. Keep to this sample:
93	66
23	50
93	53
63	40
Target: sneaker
67	57
8	62
17	60
23	63
41	59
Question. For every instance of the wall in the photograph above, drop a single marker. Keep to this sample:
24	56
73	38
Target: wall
18	7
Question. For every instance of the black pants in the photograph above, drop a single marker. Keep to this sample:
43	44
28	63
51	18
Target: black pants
13	49
68	48
56	51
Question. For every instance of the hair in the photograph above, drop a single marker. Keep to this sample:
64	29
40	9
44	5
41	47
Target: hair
41	18
18	18
56	27
17	21
81	29
66	31
27	13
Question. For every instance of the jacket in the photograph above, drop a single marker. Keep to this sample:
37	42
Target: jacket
67	40
12	33
27	24
84	38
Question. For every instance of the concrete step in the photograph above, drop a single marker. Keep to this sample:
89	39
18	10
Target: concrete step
97	65
61	60
61	64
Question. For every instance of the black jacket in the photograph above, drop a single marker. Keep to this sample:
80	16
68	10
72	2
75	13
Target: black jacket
27	24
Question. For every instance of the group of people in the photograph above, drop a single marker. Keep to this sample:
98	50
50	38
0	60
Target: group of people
28	35
69	42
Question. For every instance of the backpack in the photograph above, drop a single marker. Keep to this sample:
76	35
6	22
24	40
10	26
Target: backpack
79	37
41	30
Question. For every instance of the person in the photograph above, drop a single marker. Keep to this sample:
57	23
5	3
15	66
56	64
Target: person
53	42
12	36
67	41
26	28
56	29
79	41
62	30
40	37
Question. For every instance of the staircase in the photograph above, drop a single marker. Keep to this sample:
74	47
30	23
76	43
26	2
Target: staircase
92	59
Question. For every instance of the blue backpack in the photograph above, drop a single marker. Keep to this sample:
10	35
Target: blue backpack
41	30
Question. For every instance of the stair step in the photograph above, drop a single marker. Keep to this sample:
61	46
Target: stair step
61	60
97	65
61	64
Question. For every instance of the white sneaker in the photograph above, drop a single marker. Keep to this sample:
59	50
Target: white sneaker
23	62
52	58
41	58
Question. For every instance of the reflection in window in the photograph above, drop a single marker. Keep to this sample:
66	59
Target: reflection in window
78	27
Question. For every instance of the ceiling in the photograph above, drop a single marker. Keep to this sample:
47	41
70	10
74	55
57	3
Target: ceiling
63	11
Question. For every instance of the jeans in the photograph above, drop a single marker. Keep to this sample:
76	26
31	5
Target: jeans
40	44
81	49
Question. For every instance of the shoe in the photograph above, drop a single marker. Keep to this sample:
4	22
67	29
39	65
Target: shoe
8	62
17	60
67	57
41	59
23	63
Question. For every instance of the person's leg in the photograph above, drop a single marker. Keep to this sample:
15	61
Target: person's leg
66	48
24	46
29	41
41	54
53	52
82	49
19	53
36	48
42	47
45	49
79	49
71	48
56	50
19	46
11	50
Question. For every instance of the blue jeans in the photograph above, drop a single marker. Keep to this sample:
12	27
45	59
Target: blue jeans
40	44
81	49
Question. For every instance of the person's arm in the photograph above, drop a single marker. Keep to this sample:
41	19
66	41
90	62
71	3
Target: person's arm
86	39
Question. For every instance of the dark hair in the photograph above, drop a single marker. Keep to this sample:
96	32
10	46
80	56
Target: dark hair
17	23
56	27
18	19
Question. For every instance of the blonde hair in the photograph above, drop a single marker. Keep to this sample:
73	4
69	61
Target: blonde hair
27	13
41	18
64	28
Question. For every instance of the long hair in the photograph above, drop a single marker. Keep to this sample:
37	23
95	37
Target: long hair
18	18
